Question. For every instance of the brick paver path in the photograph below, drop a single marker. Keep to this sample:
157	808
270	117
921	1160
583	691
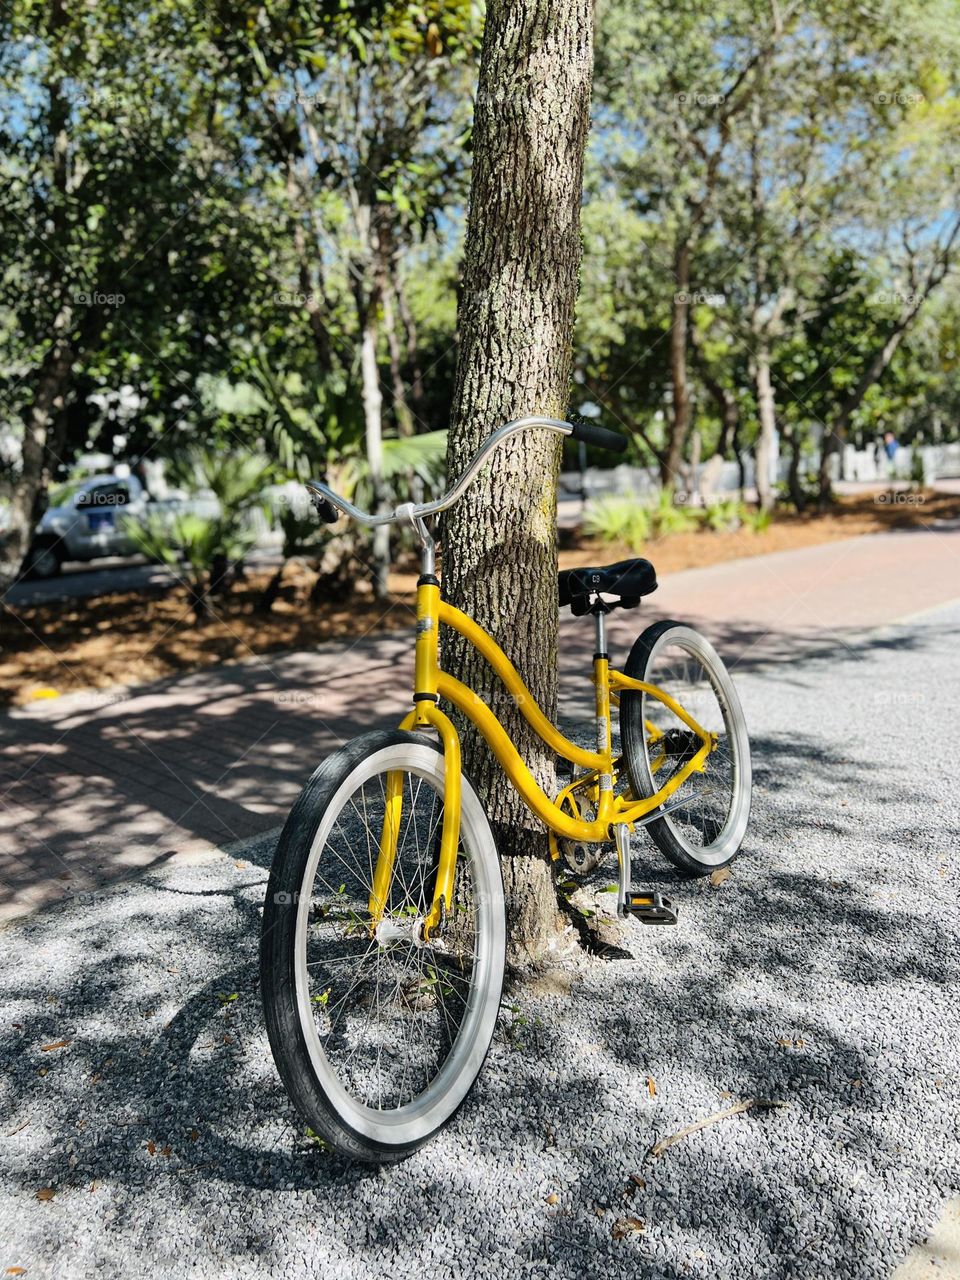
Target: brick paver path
93	787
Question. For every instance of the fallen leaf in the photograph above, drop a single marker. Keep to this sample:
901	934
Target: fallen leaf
552	1198
626	1226
637	1180
57	1044
228	1039
165	1151
719	876
240	865
651	1086
194	1135
725	1093
858	1084
151	1147
46	1193
16	1271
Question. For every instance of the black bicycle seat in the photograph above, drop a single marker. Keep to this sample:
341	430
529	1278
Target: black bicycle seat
629	580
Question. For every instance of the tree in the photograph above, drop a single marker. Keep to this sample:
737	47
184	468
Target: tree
365	108
119	220
519	290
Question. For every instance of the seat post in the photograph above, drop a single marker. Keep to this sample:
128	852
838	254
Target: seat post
600	630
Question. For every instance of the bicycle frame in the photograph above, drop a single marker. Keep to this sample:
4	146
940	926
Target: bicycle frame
560	815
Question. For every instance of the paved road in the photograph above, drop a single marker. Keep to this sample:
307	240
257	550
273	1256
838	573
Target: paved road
96	786
823	975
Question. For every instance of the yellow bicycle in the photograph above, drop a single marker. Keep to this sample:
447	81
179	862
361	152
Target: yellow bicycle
382	953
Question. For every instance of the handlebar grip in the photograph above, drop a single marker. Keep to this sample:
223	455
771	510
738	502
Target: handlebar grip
601	437
325	509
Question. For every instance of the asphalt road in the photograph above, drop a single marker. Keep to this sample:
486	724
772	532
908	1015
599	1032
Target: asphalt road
144	1125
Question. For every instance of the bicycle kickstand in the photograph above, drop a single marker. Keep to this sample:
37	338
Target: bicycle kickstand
649	905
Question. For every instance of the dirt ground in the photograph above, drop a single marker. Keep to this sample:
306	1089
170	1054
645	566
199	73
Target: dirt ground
132	638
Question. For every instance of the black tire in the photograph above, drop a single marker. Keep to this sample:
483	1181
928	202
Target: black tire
43	560
291	1019
676	838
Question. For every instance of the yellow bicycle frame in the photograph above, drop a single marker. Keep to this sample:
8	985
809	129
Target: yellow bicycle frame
432	684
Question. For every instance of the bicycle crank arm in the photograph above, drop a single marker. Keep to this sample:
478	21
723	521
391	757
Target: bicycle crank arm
648	906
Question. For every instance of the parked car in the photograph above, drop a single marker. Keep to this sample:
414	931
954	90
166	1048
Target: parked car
87	520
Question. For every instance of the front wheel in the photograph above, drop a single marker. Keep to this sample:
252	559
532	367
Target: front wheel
379	1035
706	828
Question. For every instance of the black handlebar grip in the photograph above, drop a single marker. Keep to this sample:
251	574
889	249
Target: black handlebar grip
601	437
325	509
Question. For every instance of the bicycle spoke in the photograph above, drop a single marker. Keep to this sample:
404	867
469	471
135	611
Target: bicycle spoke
391	1010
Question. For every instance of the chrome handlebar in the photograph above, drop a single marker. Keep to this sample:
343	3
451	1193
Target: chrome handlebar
328	503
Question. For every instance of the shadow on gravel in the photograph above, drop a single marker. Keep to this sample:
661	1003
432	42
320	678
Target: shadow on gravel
809	977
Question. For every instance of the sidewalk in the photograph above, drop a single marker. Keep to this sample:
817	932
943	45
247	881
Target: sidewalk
95	786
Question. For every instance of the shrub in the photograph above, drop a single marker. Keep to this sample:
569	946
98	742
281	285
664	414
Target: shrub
670	519
618	518
757	521
727	514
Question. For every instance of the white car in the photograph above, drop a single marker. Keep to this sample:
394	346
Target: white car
89	521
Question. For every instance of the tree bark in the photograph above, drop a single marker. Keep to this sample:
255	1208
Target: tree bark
400	407
679	324
372	398
519	289
766	407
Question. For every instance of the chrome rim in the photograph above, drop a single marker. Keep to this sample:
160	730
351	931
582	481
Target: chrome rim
710	825
397	1028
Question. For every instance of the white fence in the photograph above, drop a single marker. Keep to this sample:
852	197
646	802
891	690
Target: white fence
717	477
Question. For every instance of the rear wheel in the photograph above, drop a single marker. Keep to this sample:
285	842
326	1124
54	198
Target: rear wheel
707	827
377	1034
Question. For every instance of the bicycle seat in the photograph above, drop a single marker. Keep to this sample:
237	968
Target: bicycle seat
628	580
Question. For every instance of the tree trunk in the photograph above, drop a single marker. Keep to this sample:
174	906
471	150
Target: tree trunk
413	353
49	404
766	406
519	289
877	367
798	494
679	323
400	407
373	424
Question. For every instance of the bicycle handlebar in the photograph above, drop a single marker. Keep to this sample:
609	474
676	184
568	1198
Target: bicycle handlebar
328	503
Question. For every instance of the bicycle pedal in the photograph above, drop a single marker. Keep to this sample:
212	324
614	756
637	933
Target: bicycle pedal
650	907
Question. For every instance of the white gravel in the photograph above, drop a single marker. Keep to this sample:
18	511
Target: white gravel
823	974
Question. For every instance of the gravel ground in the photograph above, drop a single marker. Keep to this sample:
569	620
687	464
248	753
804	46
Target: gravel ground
818	975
